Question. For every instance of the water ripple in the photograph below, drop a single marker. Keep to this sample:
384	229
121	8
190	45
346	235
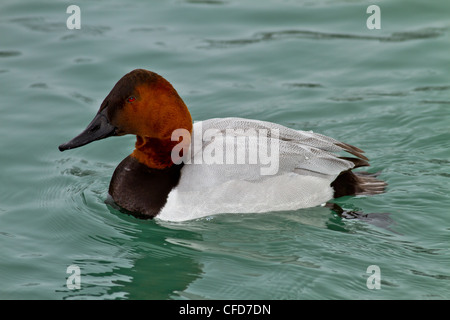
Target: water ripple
40	85
432	88
425	33
82	98
7	54
213	2
302	85
40	24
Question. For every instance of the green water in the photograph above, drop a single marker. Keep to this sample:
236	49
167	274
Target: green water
311	65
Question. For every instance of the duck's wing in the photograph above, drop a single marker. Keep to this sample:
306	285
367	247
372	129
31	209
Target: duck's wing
279	150
306	138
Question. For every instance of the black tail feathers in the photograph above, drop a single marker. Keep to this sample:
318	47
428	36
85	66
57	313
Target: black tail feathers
350	183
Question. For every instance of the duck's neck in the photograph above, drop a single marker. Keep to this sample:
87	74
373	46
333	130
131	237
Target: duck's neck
153	152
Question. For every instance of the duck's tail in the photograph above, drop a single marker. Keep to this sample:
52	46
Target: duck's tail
350	183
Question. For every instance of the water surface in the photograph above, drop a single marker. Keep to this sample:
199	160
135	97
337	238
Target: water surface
310	65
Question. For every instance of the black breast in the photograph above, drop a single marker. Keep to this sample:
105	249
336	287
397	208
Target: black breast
140	190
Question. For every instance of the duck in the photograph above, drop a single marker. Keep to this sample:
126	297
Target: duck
182	170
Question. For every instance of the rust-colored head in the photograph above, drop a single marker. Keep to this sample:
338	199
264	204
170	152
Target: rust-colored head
144	104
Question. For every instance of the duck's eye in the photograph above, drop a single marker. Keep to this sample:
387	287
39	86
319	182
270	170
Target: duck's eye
131	99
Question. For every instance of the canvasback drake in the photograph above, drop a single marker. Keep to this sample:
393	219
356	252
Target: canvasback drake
303	170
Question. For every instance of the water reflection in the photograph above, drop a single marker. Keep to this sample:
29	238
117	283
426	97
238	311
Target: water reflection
145	264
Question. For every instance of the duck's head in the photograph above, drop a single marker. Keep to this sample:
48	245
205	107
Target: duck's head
144	104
